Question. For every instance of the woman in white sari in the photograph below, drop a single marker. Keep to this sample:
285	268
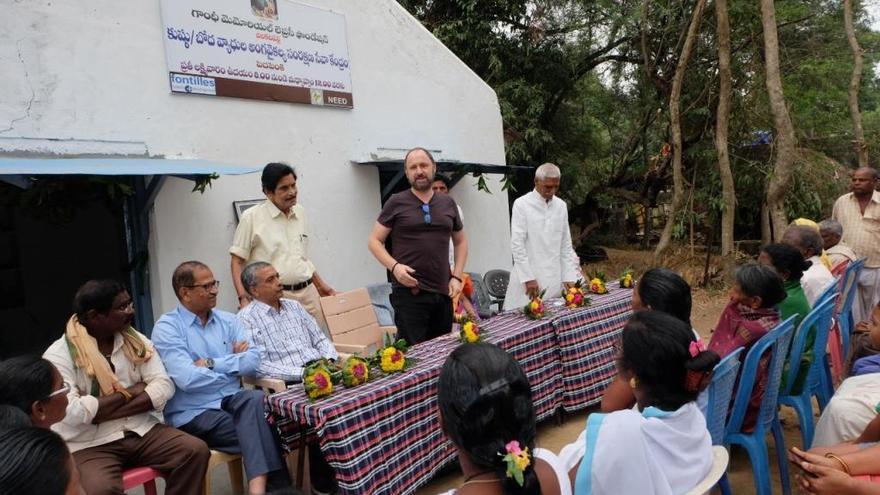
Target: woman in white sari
662	446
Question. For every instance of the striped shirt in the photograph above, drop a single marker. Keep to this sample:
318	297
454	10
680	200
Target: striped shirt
287	339
860	232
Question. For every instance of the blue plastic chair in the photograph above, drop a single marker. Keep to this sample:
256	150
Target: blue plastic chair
820	320
776	342
829	290
819	380
719	393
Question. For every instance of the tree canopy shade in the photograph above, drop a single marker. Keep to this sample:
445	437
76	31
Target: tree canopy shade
587	85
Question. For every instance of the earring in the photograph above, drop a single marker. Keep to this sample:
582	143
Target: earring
633	382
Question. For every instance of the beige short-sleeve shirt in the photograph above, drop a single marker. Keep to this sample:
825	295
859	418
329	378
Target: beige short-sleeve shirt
860	232
266	234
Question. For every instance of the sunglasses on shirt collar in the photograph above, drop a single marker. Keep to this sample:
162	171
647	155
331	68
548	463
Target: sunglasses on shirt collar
426	209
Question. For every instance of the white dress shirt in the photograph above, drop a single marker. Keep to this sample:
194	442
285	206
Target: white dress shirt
815	280
540	241
76	428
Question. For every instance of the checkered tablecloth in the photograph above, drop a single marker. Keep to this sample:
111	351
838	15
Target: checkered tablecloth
586	338
384	437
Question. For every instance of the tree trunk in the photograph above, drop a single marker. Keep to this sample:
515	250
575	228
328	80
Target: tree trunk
783	141
675	124
728	194
854	85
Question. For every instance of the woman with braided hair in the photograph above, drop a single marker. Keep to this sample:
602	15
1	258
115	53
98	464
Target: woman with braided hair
486	410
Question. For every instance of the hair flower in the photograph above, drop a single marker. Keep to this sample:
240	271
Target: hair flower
696	347
517	460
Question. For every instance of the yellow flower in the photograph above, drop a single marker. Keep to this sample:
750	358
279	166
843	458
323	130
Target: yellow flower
470	332
522	459
535	305
392	360
569	297
318	384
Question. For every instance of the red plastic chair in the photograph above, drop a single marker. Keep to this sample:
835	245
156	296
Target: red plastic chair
141	476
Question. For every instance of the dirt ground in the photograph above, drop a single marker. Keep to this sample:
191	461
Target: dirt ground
707	306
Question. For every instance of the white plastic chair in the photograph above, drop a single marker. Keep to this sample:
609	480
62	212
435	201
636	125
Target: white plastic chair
720	457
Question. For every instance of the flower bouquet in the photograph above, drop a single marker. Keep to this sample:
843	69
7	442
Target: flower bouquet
597	283
535	308
626	280
355	371
317	379
392	357
469	331
574	296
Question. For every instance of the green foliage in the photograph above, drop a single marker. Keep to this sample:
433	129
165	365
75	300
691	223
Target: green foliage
573	89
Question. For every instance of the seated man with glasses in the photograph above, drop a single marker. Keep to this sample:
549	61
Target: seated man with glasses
116	380
288	338
206	351
420	224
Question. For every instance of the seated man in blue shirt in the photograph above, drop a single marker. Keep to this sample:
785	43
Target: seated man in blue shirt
205	352
287	337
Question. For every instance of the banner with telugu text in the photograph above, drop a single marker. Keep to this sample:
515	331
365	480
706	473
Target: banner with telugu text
274	50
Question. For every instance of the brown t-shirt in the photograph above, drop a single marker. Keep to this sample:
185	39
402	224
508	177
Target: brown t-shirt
421	245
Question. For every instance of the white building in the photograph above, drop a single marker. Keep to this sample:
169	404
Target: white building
90	78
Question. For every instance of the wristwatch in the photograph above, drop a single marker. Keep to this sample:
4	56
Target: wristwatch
209	363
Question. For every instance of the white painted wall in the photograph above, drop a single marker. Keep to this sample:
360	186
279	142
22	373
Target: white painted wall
96	71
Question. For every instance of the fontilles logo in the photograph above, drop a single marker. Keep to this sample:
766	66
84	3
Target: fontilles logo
188	83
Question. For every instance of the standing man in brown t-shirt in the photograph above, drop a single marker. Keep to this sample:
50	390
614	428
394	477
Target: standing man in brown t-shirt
420	224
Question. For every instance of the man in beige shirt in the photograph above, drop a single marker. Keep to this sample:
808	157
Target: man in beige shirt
277	233
115	380
859	214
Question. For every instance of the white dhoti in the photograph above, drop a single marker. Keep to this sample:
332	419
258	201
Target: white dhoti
867	295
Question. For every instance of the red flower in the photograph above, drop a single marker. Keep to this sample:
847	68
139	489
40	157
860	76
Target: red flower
320	381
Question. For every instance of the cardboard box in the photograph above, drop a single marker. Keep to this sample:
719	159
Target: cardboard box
345	301
368	335
351	320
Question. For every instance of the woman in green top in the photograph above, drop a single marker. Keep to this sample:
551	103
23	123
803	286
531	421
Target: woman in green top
790	264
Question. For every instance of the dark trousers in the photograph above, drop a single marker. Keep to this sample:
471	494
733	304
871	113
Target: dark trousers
181	458
241	428
421	316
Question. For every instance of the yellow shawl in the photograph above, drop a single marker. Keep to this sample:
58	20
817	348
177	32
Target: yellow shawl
87	357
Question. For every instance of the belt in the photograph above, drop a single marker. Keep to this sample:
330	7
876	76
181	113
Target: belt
296	287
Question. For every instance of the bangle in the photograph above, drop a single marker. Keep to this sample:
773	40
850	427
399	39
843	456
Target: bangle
456	278
394	266
843	463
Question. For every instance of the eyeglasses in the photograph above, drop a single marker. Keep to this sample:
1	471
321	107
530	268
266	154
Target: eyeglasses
65	388
125	306
210	285
426	209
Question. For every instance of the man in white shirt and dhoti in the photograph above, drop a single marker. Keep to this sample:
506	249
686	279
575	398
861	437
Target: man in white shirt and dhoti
540	240
859	214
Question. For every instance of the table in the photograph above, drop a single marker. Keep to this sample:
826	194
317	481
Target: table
586	340
384	436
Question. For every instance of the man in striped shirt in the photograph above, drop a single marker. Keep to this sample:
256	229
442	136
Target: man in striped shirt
287	337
